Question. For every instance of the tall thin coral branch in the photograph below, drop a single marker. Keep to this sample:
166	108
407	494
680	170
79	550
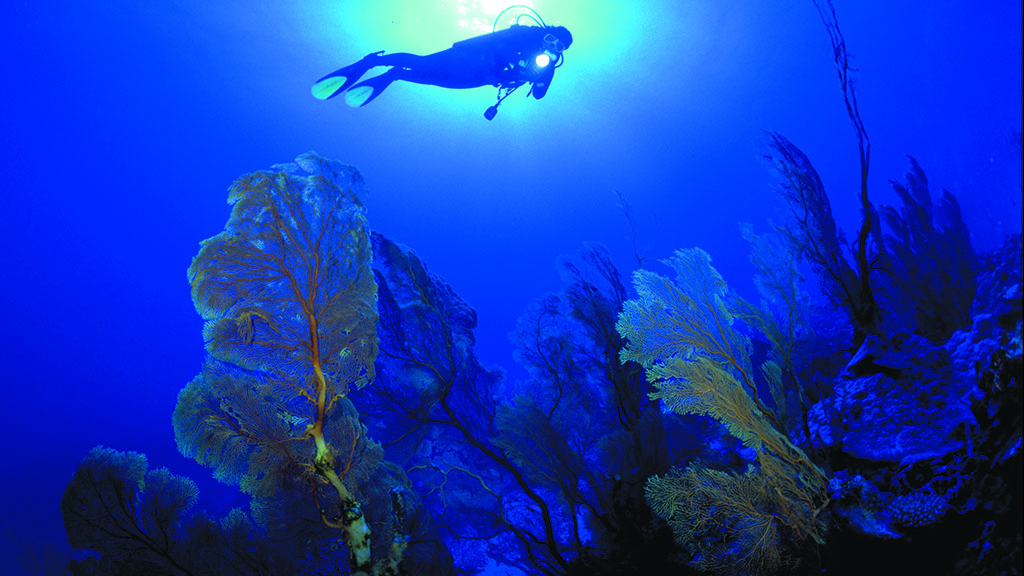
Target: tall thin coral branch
865	309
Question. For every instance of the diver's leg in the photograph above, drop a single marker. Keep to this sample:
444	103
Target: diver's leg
403	66
399	59
449	68
412	67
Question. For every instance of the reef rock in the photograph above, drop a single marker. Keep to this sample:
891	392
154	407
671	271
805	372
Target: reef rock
899	401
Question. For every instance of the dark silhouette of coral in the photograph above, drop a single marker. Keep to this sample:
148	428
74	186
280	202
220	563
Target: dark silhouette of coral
140	521
521	474
929	264
812	229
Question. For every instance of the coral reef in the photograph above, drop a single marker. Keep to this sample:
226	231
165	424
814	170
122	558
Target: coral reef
345	399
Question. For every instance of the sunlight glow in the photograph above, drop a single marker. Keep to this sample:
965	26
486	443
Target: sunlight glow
478	15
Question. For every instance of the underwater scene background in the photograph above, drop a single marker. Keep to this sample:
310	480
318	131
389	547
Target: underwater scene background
641	326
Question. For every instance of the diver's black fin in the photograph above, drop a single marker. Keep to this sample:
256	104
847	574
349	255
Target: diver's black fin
329	87
342	79
367	91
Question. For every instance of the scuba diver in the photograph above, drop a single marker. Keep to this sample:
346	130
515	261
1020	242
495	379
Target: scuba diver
507	59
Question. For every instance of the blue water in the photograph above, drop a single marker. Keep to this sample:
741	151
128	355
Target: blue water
123	123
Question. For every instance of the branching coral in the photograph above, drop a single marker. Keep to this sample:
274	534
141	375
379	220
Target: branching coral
289	302
782	318
725	518
682	333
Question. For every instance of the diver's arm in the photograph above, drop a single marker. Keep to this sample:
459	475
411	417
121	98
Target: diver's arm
541	85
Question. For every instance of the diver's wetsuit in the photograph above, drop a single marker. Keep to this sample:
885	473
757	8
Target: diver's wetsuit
504	58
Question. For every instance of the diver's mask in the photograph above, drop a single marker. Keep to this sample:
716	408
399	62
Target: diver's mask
553	46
